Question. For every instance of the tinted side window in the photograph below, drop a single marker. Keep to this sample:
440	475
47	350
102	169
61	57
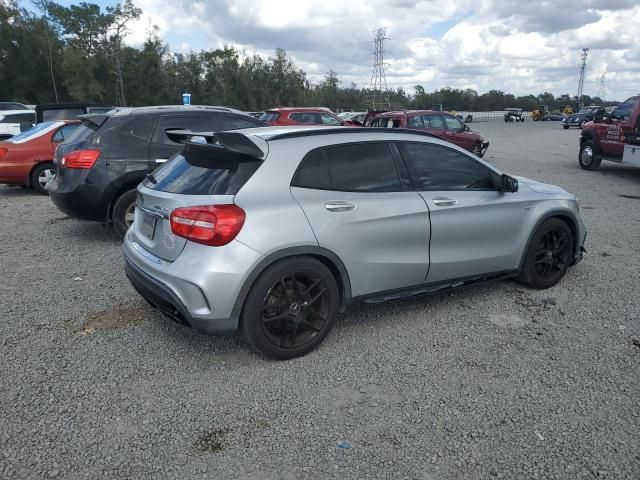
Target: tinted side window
367	167
416	122
452	123
64	132
313	173
623	110
330	120
61	114
140	128
236	122
433	121
434	167
305	117
195	123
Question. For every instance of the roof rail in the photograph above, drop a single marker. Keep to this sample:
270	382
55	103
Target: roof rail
347	130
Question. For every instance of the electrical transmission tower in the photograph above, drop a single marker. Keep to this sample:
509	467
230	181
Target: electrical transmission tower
379	98
583	69
602	90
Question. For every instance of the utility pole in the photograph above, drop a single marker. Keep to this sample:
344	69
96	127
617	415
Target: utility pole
379	98
583	69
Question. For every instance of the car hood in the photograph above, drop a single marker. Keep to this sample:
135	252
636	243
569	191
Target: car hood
527	184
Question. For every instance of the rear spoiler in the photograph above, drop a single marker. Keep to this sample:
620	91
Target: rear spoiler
97	119
237	143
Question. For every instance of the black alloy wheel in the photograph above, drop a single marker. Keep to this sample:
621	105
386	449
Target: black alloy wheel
291	308
549	255
295	309
552	255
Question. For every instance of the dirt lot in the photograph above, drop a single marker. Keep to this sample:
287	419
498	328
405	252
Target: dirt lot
496	381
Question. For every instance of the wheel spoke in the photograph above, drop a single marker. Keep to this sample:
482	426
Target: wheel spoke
287	339
312	286
282	316
310	325
316	297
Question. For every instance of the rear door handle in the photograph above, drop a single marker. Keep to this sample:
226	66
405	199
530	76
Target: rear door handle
444	201
338	206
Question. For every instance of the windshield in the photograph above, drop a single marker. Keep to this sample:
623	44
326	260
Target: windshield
40	128
269	116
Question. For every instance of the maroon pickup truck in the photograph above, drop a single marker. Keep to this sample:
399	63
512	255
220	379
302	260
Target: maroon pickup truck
612	136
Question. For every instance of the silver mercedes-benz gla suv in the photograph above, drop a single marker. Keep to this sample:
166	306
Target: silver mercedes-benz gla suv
273	231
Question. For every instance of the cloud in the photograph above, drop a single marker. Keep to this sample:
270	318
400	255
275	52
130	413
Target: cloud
510	45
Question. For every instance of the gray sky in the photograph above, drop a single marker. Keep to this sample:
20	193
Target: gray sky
518	46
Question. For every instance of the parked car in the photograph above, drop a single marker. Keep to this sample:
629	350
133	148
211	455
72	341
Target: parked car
440	124
513	115
303	116
353	116
612	136
585	115
273	231
13	106
100	166
13	122
67	111
27	158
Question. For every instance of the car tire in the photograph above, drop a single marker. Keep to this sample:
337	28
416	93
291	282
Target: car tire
290	309
582	123
122	213
477	150
566	127
548	256
587	157
41	175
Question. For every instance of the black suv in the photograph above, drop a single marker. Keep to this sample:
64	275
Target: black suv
100	165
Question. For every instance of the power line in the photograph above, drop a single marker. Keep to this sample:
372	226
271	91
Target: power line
379	97
583	69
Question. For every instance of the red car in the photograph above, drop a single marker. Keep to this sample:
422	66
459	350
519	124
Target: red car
27	158
303	116
441	124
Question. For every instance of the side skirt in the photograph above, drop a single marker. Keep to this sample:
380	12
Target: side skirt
426	288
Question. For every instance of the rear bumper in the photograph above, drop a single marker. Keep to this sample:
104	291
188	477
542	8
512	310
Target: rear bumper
86	202
167	301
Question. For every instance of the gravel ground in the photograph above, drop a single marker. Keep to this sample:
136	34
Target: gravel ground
495	381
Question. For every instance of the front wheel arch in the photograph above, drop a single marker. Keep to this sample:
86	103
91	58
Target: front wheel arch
563	216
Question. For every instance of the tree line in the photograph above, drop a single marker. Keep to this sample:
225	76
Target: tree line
54	53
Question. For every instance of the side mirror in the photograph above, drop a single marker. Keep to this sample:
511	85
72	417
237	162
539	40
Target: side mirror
25	126
508	184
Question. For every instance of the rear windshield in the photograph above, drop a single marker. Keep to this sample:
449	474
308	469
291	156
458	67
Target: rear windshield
81	133
270	116
203	170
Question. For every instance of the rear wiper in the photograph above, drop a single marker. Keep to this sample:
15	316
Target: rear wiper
151	178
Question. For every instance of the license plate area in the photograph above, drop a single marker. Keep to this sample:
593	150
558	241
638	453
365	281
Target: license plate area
148	225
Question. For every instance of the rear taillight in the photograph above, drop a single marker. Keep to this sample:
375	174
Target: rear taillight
213	225
2	152
80	159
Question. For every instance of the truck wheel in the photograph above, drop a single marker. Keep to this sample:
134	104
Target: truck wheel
588	158
123	210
